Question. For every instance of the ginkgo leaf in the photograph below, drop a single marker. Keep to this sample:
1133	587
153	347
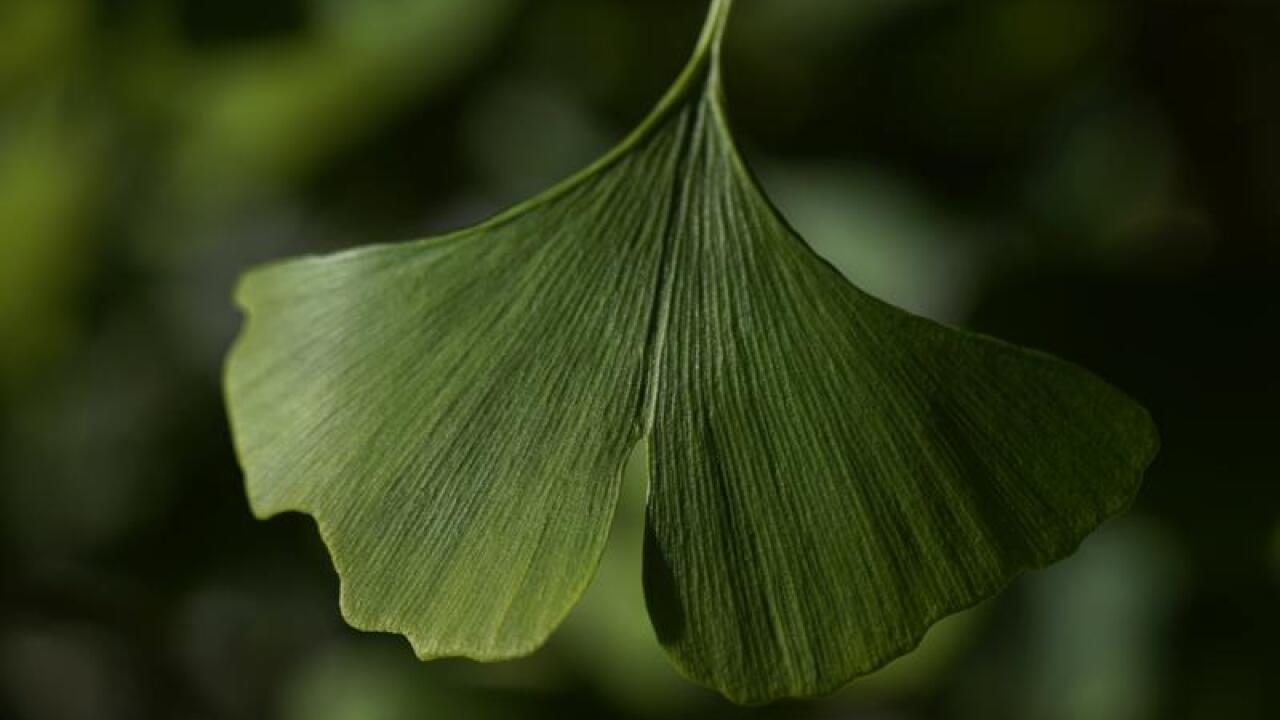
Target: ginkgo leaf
829	475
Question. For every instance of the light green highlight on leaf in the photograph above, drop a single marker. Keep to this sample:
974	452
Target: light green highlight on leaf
829	475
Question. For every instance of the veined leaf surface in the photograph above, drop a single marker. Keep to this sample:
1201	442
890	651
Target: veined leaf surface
829	474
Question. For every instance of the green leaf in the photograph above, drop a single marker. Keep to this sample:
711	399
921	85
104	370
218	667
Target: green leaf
829	475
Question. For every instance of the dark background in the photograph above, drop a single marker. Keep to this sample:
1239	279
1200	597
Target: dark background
1100	179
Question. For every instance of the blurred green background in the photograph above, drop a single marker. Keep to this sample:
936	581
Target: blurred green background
1096	178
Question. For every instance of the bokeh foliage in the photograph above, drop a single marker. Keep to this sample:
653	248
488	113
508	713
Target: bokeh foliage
1095	177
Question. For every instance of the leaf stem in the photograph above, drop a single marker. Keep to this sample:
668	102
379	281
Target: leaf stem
714	28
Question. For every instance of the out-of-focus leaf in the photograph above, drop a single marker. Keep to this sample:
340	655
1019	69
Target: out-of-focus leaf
1097	205
883	237
37	37
356	682
829	475
1102	614
48	195
273	112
